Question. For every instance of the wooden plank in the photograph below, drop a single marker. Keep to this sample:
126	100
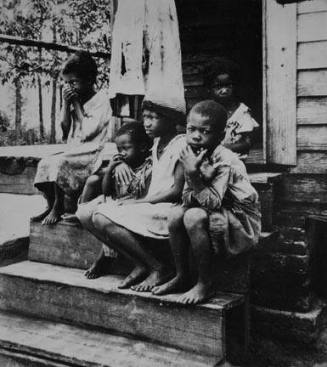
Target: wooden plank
312	83
312	110
311	162
312	137
72	246
312	27
70	345
312	55
19	184
312	6
281	76
303	189
63	244
62	294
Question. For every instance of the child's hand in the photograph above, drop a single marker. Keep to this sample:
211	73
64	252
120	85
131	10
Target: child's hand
123	174
190	161
208	170
115	161
68	94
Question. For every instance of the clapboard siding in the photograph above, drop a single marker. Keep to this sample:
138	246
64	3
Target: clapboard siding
312	83
312	110
311	163
312	55
312	137
312	27
312	6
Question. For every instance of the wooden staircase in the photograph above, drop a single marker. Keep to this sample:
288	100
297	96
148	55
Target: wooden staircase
60	318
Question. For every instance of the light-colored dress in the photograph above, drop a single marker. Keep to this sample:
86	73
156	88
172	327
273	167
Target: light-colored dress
240	122
70	168
145	219
231	202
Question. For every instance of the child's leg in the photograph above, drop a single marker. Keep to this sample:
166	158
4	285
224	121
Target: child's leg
57	208
179	244
47	190
92	189
126	242
196	222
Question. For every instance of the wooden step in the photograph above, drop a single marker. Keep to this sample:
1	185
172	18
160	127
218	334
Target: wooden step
33	342
70	245
63	294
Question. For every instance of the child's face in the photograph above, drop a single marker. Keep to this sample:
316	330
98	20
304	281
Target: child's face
127	148
79	85
200	132
154	124
222	88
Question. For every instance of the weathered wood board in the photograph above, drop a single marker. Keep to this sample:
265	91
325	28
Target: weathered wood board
64	345
59	293
310	6
280	31
312	111
311	163
312	83
312	55
312	27
312	137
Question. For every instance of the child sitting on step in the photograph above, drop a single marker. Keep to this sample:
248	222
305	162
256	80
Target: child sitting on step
220	212
133	150
222	77
127	226
84	121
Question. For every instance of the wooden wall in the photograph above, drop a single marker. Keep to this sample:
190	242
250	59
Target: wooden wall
304	190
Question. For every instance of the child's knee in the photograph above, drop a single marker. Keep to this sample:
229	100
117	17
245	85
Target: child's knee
84	215
195	218
93	180
175	218
98	221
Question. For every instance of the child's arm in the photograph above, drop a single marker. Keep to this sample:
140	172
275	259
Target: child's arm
65	121
171	195
243	145
107	178
207	194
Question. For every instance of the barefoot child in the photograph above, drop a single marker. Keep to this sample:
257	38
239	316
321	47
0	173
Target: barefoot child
133	149
220	212
84	121
221	77
126	226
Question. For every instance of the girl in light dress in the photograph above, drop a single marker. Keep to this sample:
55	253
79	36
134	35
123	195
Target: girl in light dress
85	118
125	225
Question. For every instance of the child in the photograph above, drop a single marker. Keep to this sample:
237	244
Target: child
85	117
222	77
220	212
124	227
133	149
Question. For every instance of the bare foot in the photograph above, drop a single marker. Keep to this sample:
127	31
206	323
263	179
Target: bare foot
40	217
156	277
135	276
199	293
179	283
100	267
53	217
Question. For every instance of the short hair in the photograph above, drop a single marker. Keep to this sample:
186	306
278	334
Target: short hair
214	111
82	64
137	134
220	66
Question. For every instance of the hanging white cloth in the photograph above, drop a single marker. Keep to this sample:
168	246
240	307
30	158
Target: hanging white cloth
146	52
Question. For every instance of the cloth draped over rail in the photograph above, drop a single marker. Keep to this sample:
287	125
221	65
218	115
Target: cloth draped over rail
146	54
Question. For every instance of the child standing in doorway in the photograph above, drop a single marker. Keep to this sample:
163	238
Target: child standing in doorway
220	212
221	78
